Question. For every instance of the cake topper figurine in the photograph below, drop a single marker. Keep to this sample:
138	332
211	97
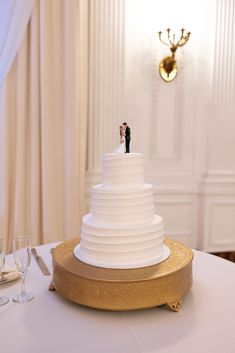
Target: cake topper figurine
125	137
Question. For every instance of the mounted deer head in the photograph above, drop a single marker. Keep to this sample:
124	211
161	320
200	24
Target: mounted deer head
167	67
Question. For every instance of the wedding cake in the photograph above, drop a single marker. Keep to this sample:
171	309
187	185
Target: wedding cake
122	231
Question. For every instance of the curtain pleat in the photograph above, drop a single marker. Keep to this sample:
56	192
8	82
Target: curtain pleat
14	17
43	122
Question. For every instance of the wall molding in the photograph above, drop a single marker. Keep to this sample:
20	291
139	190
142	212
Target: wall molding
189	154
218	183
106	80
211	243
221	115
176	88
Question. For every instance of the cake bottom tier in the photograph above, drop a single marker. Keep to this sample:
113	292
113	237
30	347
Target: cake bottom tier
110	246
125	262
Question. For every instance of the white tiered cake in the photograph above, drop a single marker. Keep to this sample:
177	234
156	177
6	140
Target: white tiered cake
122	230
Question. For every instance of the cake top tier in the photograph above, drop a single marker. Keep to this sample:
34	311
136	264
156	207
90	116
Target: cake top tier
121	156
122	171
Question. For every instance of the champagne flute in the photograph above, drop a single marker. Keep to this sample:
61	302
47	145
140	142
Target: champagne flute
22	257
3	300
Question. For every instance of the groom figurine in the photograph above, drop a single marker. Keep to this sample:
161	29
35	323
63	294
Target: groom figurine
127	137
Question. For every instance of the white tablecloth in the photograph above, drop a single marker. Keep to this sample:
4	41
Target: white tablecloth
206	322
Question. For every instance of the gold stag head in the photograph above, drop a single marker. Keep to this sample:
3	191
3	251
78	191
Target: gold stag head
167	67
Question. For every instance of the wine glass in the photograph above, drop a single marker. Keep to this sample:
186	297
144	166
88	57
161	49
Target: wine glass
22	257
3	300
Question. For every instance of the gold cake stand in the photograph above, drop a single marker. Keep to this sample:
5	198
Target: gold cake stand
118	289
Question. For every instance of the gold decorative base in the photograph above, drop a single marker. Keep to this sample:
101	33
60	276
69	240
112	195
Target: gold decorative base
168	69
115	289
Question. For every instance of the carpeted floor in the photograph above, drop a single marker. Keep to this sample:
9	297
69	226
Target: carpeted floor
230	255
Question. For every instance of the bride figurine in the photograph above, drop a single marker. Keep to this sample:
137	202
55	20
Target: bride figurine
121	148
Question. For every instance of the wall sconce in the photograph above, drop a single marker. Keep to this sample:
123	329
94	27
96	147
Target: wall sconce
167	67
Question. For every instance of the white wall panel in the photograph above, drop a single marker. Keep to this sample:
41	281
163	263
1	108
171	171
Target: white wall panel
106	78
221	117
185	128
219	223
219	180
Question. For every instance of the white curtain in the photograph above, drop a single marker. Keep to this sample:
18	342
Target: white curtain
14	15
43	116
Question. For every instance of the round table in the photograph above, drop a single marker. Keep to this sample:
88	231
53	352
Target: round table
49	323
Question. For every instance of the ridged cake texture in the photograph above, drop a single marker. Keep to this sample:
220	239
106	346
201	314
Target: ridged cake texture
122	207
122	230
122	171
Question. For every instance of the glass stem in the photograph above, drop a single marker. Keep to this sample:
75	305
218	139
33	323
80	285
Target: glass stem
22	287
2	268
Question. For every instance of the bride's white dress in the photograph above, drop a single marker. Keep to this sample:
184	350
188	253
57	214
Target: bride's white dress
121	147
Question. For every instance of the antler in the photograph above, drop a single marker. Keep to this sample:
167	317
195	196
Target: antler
160	37
182	41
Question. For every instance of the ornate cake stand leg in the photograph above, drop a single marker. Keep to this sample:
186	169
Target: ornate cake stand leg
51	287
176	306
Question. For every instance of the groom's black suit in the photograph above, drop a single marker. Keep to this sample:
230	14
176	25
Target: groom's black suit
128	138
